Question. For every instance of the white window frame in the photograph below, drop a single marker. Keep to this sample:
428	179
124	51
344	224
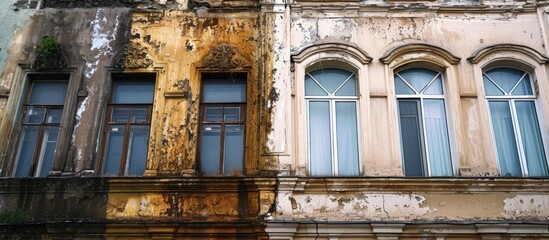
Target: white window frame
332	99
327	54
425	147
511	99
520	57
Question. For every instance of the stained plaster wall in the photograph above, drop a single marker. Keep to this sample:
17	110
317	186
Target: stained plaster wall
376	29
419	200
178	42
88	39
13	28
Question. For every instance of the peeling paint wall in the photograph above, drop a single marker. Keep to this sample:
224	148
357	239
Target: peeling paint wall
178	41
379	28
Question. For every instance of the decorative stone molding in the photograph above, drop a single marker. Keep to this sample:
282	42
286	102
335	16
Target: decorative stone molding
480	54
343	48
410	48
225	56
134	56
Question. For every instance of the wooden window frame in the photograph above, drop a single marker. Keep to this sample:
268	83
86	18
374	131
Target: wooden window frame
123	161
36	161
202	115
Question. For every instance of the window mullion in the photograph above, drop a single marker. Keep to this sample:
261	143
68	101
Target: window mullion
516	84
333	138
36	154
320	85
307	102
124	155
495	84
518	139
408	84
222	143
346	80
425	149
429	83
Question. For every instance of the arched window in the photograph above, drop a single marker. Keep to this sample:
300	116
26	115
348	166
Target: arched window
423	126
332	105
515	126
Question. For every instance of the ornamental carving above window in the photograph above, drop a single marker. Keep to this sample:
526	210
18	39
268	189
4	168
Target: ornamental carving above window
135	56
225	57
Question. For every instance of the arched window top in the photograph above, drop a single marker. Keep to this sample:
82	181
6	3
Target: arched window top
330	82
343	52
507	82
419	52
418	81
507	51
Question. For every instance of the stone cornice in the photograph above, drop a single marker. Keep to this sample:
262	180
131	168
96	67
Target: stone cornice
301	184
411	48
480	54
408	185
332	47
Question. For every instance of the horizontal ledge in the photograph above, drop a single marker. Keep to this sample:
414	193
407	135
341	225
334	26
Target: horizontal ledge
286	183
468	95
175	95
378	95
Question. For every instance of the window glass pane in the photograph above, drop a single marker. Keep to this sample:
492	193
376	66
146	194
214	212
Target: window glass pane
54	115
524	87
137	150
48	92
224	90
35	115
139	115
319	138
347	139
505	78
410	132
348	89
210	148
232	114
26	150
312	88
438	144
491	89
330	78
233	155
418	77
531	139
113	151
505	139
47	150
401	87
120	115
134	91
435	88
214	114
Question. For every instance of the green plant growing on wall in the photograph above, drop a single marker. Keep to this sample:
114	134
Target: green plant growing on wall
48	54
13	216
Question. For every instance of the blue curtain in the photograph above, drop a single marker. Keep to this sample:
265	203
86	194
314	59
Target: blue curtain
505	139
320	152
347	139
531	138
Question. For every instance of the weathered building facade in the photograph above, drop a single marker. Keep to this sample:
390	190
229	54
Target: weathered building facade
274	119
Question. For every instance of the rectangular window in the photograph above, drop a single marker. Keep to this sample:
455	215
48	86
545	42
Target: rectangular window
40	125
128	125
27	4
223	111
